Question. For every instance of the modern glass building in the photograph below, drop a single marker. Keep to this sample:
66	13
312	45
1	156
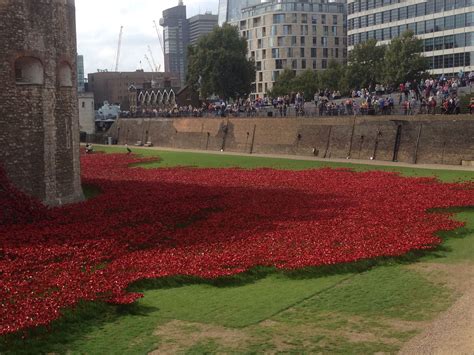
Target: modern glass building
176	40
201	25
292	34
231	10
80	74
445	26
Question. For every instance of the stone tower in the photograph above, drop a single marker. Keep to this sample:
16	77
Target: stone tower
39	124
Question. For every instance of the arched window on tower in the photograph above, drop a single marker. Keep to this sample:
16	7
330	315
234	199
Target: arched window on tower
29	71
65	75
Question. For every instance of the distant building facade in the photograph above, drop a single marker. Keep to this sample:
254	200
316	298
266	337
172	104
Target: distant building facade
201	25
445	26
231	10
80	74
86	112
290	34
113	86
176	41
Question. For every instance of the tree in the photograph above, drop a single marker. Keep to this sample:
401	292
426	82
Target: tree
334	77
218	64
307	82
404	61
365	65
284	85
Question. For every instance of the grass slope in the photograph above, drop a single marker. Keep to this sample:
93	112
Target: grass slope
374	310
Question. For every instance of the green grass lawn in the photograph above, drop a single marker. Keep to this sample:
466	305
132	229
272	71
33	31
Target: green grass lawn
169	159
361	310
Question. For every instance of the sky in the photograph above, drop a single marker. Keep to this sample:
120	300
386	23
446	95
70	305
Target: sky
98	27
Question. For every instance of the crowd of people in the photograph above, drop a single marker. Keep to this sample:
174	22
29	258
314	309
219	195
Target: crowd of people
429	96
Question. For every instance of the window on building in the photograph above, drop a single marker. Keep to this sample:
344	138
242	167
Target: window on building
289	52
275	53
323	19
275	75
303	64
29	70
278	18
371	20
439	24
429	44
302	41
429	26
394	15
325	53
313	52
378	18
294	64
324	63
302	53
324	41
336	41
439	5
287	30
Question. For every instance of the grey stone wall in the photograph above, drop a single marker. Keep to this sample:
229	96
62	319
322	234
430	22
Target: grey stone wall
39	128
422	139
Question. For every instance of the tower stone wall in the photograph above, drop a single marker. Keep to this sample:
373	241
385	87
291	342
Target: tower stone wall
39	124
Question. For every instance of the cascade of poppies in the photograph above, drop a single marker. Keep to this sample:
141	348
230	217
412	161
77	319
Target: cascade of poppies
152	223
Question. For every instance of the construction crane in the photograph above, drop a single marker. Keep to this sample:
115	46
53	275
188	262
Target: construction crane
157	69
160	38
149	63
119	47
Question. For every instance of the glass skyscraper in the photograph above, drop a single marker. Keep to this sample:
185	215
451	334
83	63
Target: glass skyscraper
176	40
231	10
80	74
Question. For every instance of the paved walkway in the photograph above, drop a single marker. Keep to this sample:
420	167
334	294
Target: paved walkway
309	158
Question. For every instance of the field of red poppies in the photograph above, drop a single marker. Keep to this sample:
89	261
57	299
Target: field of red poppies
152	223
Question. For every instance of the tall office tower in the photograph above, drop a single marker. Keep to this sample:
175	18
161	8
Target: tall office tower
445	26
231	10
291	34
80	74
176	40
201	25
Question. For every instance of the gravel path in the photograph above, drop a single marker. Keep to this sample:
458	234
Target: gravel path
453	331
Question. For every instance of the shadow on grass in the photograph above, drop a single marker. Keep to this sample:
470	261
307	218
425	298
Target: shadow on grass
91	191
88	316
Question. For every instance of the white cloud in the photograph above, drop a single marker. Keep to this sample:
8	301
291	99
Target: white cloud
98	26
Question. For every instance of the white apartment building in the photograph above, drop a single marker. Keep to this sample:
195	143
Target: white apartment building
293	34
445	26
